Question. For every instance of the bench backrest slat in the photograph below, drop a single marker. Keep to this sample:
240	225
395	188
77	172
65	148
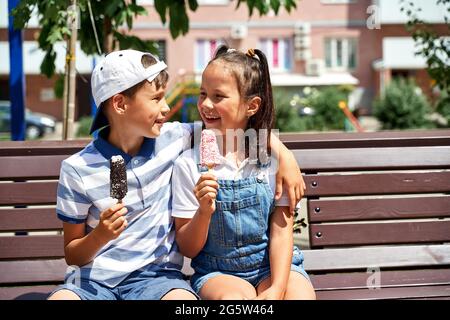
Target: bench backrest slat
37	246
32	271
312	160
38	167
379	233
377	183
29	219
384	257
23	193
374	209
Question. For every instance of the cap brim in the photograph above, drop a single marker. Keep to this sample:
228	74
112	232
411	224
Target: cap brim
100	121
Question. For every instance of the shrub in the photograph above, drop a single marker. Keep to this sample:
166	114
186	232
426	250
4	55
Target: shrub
84	125
402	106
287	118
325	102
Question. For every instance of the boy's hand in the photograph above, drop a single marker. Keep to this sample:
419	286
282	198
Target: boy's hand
112	223
206	192
289	174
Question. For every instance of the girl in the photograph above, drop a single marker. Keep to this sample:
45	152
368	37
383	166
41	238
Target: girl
240	240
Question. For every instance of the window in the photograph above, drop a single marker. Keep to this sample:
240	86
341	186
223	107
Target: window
204	52
278	52
340	53
161	49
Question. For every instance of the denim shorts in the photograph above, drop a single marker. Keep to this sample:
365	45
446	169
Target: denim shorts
139	285
254	277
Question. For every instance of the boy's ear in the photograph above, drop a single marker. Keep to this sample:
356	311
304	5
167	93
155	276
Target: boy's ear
118	103
253	106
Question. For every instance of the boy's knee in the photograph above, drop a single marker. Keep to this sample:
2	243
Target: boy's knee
64	295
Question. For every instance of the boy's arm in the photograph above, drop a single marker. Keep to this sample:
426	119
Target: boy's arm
288	173
81	248
281	243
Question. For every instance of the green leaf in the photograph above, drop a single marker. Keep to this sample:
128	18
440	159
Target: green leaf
54	35
59	86
48	64
112	7
193	5
275	5
161	8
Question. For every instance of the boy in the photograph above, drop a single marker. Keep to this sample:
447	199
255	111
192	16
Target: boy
125	251
128	251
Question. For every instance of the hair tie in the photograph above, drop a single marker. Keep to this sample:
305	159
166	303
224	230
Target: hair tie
231	50
251	53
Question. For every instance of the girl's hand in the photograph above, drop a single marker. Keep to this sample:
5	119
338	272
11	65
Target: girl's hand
271	293
289	174
206	192
112	223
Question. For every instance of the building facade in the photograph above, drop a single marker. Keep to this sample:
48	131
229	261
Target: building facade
362	43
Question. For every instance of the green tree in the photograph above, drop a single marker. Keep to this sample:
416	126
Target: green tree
107	21
402	106
434	48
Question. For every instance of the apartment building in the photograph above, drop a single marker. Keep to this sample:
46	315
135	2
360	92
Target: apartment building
362	43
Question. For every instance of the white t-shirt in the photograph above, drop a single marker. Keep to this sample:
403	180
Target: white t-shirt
186	174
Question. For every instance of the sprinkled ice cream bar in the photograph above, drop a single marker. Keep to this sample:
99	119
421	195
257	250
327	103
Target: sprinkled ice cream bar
118	176
209	151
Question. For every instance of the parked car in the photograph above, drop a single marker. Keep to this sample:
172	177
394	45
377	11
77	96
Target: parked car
36	124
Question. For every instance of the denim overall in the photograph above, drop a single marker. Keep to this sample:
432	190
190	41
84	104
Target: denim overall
238	236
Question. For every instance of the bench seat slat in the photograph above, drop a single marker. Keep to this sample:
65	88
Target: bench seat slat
386	293
29	219
380	183
372	209
361	258
28	193
402	278
37	167
29	271
379	233
38	246
373	158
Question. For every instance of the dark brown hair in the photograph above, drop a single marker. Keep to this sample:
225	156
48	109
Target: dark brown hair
251	72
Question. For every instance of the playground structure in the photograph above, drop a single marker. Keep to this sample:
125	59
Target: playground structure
184	92
352	119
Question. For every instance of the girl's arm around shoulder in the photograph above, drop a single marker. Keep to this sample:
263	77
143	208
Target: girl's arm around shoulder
288	173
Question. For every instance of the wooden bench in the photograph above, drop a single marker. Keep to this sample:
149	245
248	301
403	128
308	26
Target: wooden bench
378	209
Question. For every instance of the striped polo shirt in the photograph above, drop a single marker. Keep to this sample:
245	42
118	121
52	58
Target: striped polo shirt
84	192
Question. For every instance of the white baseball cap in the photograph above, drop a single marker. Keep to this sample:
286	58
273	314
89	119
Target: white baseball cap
117	72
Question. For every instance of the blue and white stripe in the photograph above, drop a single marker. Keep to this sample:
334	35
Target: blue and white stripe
83	193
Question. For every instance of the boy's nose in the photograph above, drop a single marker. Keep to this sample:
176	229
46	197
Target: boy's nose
164	107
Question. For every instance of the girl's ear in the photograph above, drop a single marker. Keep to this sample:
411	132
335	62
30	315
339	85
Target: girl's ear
118	103
253	106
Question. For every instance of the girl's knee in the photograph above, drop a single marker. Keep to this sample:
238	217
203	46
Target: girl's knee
235	296
299	288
